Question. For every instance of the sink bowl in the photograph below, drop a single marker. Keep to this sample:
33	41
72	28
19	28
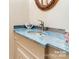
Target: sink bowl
38	32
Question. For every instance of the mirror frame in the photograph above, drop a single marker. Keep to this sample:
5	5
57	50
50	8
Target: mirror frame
48	6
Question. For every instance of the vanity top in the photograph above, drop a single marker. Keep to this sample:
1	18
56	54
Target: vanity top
50	38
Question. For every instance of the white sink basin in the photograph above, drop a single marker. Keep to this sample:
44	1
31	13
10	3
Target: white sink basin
39	33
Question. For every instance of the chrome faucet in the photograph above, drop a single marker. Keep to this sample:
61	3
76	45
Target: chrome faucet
42	24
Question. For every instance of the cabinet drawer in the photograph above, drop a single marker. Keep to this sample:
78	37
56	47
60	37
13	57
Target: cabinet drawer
21	53
34	48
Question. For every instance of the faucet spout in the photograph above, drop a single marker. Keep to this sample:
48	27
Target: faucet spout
42	24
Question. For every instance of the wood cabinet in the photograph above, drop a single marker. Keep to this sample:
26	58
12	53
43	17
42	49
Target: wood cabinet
28	49
21	53
55	53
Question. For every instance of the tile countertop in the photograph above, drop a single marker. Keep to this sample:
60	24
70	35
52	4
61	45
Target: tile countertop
53	39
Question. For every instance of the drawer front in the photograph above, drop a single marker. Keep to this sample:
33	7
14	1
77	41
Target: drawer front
34	48
21	53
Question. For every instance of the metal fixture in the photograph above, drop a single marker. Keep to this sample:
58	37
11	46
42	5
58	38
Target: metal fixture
42	24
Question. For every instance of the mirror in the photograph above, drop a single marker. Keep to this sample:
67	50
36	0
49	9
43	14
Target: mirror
45	4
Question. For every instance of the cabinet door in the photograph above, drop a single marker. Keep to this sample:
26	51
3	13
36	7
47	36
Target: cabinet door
21	53
31	47
55	53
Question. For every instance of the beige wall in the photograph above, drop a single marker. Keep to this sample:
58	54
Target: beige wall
57	17
25	10
19	11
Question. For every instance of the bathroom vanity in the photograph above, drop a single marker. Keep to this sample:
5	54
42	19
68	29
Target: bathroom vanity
35	46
